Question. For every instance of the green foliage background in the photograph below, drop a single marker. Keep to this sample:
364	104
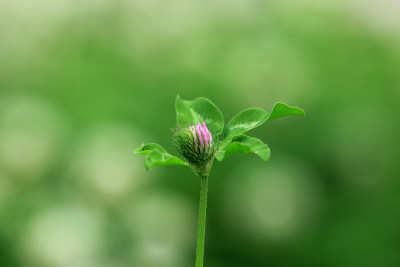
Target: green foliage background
84	83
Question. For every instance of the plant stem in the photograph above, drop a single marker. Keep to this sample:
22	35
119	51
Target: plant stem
201	227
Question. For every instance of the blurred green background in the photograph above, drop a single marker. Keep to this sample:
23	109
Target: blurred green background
83	83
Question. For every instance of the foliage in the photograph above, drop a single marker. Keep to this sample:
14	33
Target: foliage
230	139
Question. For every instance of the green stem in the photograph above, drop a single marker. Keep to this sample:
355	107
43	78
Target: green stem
201	227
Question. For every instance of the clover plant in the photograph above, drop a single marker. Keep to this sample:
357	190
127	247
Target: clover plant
200	137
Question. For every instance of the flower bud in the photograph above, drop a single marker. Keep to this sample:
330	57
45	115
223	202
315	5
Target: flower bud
194	143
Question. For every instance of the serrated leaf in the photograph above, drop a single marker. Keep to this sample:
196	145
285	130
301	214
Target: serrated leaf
254	117
156	155
199	110
245	144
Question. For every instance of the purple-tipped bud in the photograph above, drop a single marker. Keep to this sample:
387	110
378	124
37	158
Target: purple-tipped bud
199	136
194	143
209	137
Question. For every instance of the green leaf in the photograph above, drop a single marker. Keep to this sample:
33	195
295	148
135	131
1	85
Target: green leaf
199	110
156	155
245	144
282	110
243	122
254	117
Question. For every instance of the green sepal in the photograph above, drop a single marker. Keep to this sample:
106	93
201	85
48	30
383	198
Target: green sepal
185	144
245	144
156	155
